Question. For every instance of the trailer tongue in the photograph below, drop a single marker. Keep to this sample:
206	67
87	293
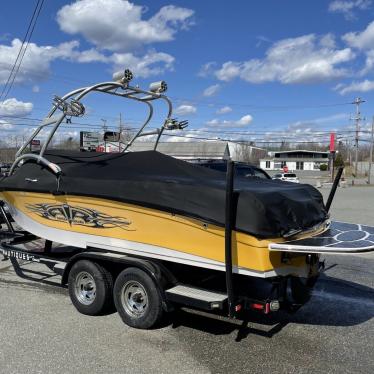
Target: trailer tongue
340	238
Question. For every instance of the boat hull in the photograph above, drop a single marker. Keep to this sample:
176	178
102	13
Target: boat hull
88	222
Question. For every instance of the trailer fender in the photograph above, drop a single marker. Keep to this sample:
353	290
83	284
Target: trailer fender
155	269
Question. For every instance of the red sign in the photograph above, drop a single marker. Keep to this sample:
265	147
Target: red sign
285	168
35	145
332	142
100	148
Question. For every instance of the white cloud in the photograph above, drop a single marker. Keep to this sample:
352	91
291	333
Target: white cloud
35	88
307	125
207	69
348	7
242	122
14	108
224	110
310	130
36	62
5	37
245	120
369	63
229	71
363	86
364	41
328	41
305	59
261	40
183	110
113	25
118	25
211	90
90	55
361	40
4	125
182	137
152	63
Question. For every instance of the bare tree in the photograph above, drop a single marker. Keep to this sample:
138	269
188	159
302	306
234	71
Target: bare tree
69	143
249	153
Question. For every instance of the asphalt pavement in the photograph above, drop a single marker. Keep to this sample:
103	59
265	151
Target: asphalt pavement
41	332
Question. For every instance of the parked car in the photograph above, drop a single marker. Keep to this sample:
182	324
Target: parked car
288	177
4	169
241	169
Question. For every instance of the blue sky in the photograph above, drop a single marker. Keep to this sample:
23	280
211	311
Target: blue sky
291	66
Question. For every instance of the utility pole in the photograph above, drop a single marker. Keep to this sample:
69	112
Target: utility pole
371	150
105	128
347	150
358	118
120	129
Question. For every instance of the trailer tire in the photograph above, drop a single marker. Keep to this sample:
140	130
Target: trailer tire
91	288
138	299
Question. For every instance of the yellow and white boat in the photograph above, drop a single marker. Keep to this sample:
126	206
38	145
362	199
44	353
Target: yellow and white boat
89	222
151	206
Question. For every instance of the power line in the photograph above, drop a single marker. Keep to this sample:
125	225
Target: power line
258	107
258	137
253	107
327	132
209	131
24	50
243	141
21	53
37	73
20	50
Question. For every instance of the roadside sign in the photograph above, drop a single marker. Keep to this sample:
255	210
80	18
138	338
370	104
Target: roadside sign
332	142
35	145
89	141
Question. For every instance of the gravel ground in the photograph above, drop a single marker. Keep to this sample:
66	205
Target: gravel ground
41	332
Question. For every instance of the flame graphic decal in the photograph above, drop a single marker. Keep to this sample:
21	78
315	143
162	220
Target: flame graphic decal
76	215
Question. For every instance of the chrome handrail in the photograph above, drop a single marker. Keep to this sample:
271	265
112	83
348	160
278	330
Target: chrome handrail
40	159
112	88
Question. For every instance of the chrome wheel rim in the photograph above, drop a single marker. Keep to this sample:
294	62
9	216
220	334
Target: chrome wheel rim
85	288
134	299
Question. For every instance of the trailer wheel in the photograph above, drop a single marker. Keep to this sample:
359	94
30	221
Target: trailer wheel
137	299
90	288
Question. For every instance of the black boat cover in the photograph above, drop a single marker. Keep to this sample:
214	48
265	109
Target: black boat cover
264	208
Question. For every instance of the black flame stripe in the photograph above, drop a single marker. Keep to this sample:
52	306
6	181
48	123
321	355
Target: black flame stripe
76	215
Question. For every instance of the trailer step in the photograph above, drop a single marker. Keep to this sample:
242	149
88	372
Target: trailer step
59	268
196	297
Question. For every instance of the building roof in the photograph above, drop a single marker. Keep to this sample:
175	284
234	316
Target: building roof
213	149
295	159
300	151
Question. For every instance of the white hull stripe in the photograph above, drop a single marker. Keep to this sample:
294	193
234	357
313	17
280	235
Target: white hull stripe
80	240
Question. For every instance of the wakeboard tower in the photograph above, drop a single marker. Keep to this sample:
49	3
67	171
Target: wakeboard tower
156	208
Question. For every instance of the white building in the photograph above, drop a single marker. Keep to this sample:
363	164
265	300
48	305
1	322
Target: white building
191	150
207	150
295	160
187	150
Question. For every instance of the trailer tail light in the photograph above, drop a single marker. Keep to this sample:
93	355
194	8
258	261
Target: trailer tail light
238	308
271	306
258	306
